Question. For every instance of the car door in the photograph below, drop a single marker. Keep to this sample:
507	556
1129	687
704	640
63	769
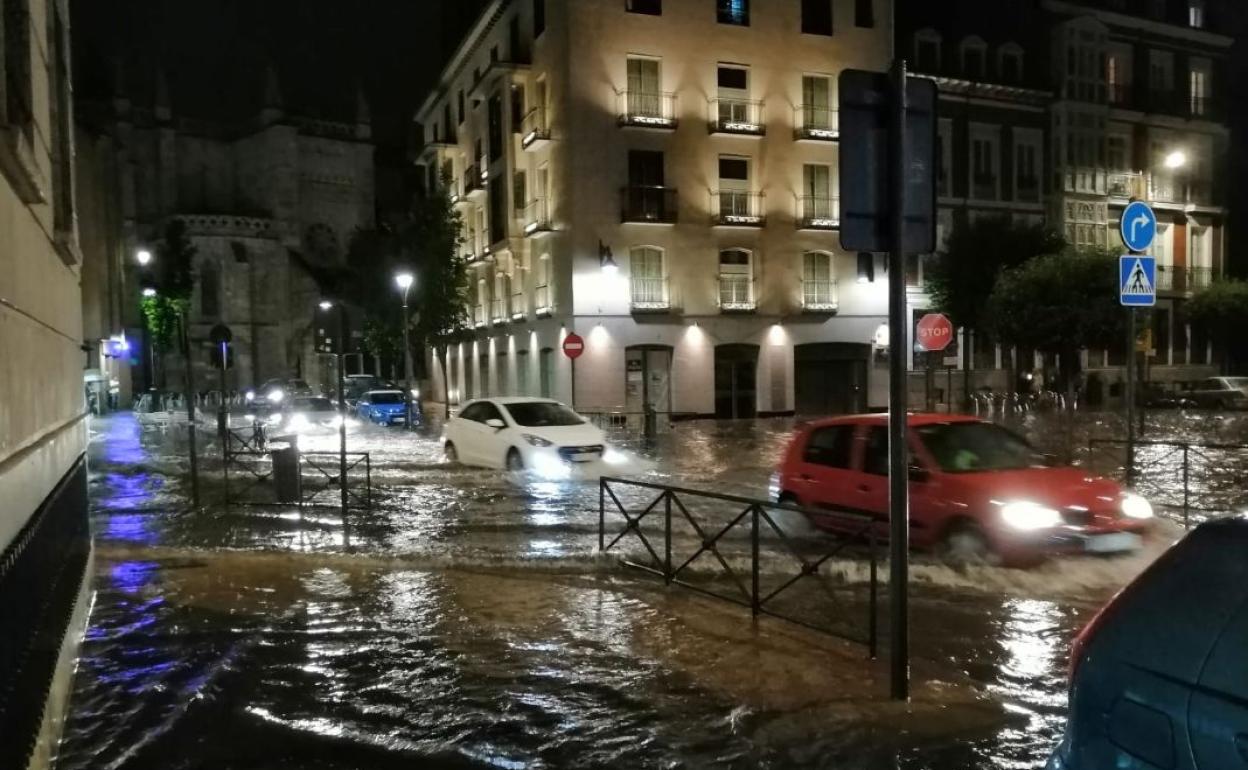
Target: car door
821	477
872	488
468	435
491	442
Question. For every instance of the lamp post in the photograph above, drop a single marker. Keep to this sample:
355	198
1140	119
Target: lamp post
340	351
404	281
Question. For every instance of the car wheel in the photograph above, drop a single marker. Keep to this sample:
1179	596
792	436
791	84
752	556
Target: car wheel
452	454
966	544
514	461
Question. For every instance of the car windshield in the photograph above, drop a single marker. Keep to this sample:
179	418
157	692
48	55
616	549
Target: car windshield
1238	383
542	414
313	405
299	385
970	447
386	398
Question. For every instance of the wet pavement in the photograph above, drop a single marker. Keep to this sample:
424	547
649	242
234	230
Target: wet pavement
468	620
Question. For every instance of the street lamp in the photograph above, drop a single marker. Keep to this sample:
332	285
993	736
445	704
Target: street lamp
404	281
149	292
143	257
325	304
607	260
1176	159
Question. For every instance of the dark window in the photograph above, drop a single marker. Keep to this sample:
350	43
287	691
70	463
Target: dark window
817	17
875	451
645	168
462	113
519	191
543	414
539	17
479	154
517	108
1012	68
498	208
831	447
446	121
17	79
927	56
652	7
474	412
62	128
494	54
514	46
864	13
496	127
733	12
734	168
734	77
973	62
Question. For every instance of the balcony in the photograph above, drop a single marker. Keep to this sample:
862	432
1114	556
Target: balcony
1166	275
737	209
736	293
648	203
818	213
1121	184
984	187
474	183
499	312
816	124
534	133
1119	94
519	308
649	295
1198	278
1164	189
819	296
1088	180
1028	189
536	217
646	109
737	116
541	301
478	316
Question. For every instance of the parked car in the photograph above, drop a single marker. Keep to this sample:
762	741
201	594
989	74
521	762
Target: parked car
1219	393
1159	678
356	385
978	492
310	414
521	433
384	407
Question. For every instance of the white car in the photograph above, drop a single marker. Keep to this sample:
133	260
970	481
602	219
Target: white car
522	433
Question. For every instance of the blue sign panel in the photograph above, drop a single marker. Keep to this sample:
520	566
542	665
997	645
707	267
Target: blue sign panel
1139	226
1137	280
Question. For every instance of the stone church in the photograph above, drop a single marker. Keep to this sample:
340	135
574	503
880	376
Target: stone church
268	202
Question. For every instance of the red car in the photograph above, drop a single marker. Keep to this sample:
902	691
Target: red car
978	492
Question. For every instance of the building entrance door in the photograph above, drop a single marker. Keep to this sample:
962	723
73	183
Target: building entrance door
647	378
736	375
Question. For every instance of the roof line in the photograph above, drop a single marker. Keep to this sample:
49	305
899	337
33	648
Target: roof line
467	45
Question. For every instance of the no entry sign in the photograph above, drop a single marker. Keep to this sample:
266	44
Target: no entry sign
933	332
573	346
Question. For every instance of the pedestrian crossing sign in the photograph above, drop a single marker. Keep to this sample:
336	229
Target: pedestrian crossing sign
1137	280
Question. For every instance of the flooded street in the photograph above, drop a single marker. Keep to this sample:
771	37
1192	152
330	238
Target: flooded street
468	620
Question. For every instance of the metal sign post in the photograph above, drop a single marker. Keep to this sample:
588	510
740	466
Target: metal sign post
573	348
190	406
1137	287
342	418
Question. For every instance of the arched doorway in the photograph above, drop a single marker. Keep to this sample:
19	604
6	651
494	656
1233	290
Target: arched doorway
830	378
736	381
648	378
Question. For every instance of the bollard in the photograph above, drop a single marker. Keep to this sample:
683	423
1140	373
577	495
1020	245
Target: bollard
287	479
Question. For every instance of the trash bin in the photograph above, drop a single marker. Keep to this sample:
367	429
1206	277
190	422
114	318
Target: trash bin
287	480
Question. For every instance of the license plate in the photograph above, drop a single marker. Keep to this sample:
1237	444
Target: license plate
1112	543
584	457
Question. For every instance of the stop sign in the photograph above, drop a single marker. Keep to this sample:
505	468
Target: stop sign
933	332
573	346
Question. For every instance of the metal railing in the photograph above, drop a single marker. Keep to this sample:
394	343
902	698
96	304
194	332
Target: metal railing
819	295
536	216
498	310
649	293
1125	184
816	122
731	207
533	128
478	316
519	306
687	524
737	116
819	213
648	203
1190	478
1085	180
472	181
541	300
650	109
736	292
1198	277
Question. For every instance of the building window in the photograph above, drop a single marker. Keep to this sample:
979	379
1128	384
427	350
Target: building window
519	191
736	280
1196	13
818	203
944	148
1027	172
817	104
644	97
517	107
648	284
462	112
1116	151
983	165
927	50
818	283
652	7
498	204
209	290
539	17
864	13
1010	63
448	127
733	12
1198	86
62	129
1160	70
496	127
17	75
973	50
817	17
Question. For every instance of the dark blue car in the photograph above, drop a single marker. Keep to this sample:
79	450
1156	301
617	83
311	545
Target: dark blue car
384	407
1159	679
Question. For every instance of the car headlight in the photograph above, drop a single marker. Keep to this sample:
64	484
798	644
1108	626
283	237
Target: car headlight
612	456
1136	507
299	422
537	440
250	396
1027	516
276	395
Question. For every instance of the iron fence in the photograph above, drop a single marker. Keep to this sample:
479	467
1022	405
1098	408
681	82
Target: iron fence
678	519
250	474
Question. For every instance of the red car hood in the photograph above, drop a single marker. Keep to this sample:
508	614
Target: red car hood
1055	487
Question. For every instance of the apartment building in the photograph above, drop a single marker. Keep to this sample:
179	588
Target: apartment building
660	177
45	544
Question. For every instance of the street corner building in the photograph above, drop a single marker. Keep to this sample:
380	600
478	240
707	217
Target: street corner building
661	179
269	199
45	546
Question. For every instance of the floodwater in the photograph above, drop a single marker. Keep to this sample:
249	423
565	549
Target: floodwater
468	620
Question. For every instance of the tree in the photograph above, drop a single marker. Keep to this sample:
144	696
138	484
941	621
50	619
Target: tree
1060	303
1222	308
960	278
174	281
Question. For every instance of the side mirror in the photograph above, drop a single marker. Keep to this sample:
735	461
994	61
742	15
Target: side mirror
919	474
496	423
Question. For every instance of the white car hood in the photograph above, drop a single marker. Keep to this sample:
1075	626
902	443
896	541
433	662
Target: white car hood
584	434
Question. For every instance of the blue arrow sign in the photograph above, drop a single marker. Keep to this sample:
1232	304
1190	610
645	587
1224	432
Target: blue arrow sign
1137	280
1139	226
